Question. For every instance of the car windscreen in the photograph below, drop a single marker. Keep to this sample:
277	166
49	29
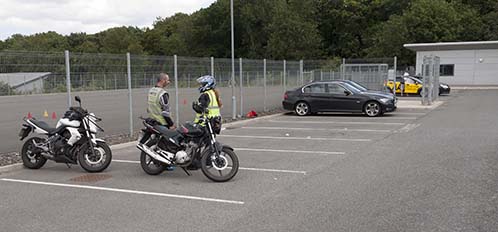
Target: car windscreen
358	86
419	81
351	88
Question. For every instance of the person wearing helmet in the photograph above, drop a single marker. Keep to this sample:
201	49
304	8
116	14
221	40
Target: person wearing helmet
209	101
158	102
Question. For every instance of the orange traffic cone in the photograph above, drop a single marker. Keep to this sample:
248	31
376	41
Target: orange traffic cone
29	115
185	101
54	116
45	114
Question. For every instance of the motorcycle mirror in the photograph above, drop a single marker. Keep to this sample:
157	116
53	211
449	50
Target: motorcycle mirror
78	99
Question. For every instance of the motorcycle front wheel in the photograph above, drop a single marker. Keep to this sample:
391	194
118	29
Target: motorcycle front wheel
220	168
97	161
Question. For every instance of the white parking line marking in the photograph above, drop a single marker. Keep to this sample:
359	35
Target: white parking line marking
240	168
291	138
378	118
314	129
124	191
409	127
274	170
126	161
409	113
291	151
327	122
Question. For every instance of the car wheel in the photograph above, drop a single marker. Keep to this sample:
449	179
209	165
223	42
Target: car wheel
302	108
372	109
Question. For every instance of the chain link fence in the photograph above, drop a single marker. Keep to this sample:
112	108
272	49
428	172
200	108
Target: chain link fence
115	86
430	85
373	73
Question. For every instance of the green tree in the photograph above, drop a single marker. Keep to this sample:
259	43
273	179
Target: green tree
425	21
490	28
255	19
47	41
169	36
120	40
291	36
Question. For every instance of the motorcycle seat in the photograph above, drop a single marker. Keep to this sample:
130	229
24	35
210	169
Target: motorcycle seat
165	131
43	125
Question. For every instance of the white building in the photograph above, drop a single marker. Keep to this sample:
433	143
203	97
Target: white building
25	82
462	63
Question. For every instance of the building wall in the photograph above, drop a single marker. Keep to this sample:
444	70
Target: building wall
472	67
31	87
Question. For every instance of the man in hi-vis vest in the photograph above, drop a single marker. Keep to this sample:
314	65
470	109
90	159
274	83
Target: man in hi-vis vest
158	101
209	99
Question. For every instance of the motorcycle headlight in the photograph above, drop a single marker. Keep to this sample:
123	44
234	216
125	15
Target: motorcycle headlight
385	100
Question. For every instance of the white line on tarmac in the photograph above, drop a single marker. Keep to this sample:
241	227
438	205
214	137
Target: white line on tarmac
408	113
291	151
314	129
409	127
124	191
240	168
273	170
327	122
376	119
294	138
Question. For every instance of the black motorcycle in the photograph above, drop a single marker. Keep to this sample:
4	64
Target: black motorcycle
189	146
73	141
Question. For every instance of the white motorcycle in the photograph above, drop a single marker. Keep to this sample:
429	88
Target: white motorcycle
73	141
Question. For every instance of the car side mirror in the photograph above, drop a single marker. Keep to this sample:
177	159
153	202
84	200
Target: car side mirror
78	99
347	92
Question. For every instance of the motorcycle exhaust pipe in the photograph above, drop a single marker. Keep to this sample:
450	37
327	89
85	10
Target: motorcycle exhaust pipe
152	154
39	146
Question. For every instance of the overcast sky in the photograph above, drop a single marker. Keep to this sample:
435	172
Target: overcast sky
65	16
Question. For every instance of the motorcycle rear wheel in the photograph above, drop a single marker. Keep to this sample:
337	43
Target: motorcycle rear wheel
30	159
149	165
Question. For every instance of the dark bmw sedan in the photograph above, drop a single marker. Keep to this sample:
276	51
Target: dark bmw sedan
337	96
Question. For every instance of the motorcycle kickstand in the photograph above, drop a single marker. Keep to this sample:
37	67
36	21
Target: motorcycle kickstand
68	165
186	171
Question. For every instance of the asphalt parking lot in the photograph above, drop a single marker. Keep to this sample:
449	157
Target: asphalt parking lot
334	172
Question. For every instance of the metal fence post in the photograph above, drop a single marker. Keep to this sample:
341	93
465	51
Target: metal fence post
285	75
241	81
264	83
9	89
177	116
212	66
343	68
188	80
68	77
394	80
301	70
128	64
24	85
105	82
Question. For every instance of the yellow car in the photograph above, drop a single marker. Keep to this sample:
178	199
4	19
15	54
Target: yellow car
412	85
